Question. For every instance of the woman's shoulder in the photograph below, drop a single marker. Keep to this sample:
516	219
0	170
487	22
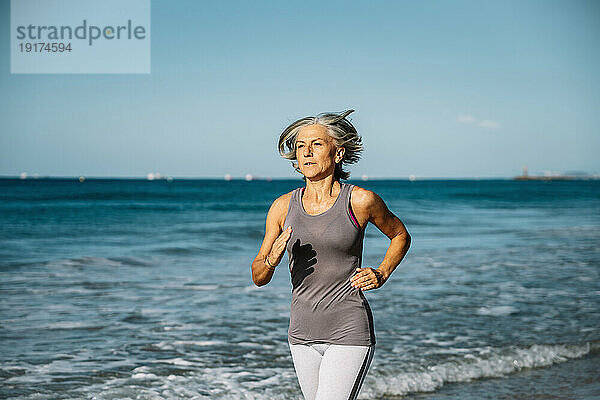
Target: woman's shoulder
361	198
284	200
361	195
280	205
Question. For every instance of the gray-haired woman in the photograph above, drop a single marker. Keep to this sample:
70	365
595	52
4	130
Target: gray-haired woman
331	333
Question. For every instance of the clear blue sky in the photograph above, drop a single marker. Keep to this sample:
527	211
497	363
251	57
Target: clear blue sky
440	89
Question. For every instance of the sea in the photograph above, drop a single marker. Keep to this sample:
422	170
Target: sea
142	289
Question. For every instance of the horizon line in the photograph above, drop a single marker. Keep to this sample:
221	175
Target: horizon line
228	177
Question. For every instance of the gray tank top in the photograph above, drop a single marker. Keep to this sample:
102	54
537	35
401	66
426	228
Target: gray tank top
324	251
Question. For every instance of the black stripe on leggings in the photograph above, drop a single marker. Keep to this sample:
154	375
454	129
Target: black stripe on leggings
360	376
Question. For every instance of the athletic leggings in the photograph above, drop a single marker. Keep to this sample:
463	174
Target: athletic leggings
330	371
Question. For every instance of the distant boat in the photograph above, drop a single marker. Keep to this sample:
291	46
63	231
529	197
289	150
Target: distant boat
157	175
551	176
544	178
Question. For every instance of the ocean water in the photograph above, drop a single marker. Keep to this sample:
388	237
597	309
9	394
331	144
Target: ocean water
136	289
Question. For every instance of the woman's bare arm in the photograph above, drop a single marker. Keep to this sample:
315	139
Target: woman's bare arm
275	239
374	209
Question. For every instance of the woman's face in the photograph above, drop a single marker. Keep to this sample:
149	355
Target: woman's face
316	151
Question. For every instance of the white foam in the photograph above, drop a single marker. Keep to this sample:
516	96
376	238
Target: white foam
176	361
199	342
66	325
177	327
143	376
258	383
200	287
164	345
482	363
497	310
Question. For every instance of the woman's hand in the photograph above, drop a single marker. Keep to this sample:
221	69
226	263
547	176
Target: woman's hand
367	279
278	249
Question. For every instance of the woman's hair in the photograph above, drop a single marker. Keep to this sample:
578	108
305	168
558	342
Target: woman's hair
339	128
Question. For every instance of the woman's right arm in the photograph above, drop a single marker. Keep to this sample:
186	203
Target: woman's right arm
273	245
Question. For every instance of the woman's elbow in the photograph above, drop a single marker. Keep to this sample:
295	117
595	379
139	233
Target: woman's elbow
258	281
406	238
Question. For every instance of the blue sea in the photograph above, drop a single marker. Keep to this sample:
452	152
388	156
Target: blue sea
139	289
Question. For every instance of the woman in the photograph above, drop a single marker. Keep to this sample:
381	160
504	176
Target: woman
331	333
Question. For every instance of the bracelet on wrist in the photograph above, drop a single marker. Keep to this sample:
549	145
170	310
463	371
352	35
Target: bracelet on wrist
271	267
380	277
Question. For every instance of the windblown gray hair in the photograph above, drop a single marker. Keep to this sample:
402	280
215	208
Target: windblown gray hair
339	128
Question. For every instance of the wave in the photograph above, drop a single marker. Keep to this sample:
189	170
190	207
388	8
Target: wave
104	195
488	363
180	250
85	261
224	231
89	261
183	376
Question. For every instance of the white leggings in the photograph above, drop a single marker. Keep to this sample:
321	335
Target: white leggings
330	371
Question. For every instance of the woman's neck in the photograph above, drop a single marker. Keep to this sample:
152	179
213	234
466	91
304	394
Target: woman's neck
322	189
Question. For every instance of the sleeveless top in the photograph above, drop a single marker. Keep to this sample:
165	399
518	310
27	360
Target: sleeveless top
324	251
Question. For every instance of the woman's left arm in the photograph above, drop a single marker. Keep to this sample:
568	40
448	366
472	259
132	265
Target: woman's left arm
393	228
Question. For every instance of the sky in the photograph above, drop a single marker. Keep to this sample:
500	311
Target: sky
439	88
